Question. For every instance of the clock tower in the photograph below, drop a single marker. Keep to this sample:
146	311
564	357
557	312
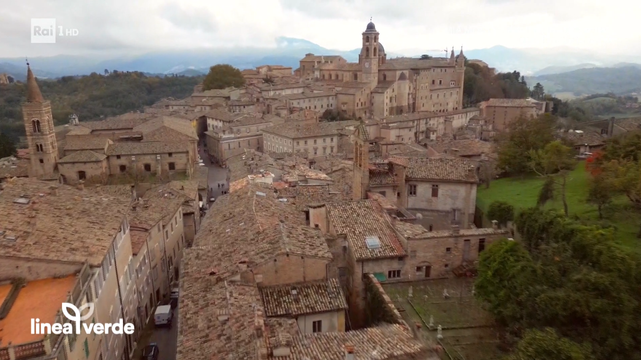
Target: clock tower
368	57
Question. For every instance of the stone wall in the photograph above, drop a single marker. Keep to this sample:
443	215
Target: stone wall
31	269
380	307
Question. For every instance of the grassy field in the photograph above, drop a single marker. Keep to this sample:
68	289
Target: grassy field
468	331
523	193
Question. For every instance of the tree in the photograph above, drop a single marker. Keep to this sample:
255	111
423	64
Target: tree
538	92
106	72
7	146
505	272
600	192
547	344
524	135
425	57
554	161
334	115
501	211
223	76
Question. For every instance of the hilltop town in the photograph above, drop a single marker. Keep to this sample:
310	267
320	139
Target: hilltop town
272	231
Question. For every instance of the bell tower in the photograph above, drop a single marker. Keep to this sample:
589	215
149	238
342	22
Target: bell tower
369	55
41	135
361	163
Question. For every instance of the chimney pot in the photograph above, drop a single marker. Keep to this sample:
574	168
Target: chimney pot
495	224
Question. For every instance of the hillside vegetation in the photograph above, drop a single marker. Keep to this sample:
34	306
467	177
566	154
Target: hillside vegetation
92	97
483	83
620	80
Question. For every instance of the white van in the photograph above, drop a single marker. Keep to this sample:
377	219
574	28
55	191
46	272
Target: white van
163	315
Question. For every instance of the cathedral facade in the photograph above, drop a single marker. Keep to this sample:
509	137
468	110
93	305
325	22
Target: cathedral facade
376	86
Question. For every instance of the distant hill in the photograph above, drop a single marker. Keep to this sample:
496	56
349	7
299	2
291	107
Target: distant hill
617	80
550	70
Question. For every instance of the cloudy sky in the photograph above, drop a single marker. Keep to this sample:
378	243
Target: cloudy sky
406	26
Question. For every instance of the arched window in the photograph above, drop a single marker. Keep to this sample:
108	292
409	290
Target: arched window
374	51
366	39
36	125
375	39
355	76
39	148
384	77
367	52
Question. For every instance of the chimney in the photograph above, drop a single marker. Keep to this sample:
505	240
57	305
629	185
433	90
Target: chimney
455	230
495	224
53	190
349	352
294	293
81	185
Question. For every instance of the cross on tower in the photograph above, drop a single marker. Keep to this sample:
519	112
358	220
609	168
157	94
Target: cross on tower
370	19
27	60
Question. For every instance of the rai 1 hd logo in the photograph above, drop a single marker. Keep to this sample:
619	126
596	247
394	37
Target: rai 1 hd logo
45	31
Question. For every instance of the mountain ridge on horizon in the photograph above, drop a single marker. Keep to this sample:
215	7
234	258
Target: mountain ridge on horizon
288	52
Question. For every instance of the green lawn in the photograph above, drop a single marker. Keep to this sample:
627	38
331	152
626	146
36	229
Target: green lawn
523	193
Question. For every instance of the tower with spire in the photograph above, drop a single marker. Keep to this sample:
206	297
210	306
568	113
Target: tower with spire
369	56
41	135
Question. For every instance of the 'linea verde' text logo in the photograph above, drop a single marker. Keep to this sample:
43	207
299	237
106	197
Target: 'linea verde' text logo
76	326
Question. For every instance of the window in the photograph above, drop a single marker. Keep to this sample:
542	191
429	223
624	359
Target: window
123	168
434	191
170	154
82	175
172	166
297	142
118	157
317	326
314	141
305	142
419	269
172	227
166	234
42	161
448	250
39	148
147	167
481	245
413	254
394	274
36	125
412	190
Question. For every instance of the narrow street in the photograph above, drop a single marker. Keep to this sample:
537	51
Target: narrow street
217	175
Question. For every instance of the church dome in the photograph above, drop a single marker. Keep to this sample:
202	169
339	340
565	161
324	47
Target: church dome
371	27
381	49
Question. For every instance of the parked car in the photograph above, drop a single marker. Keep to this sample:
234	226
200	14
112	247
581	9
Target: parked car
150	352
163	315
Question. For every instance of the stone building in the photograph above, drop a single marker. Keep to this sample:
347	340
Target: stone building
316	101
69	245
229	134
443	190
137	145
314	139
377	86
502	112
260	275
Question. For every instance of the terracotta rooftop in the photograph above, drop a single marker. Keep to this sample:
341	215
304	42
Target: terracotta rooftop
386	342
83	156
86	142
122	122
251	226
167	128
224	115
142	148
37	299
138	240
13	167
74	225
159	203
217	321
361	220
415	231
443	169
381	178
472	147
299	131
302	195
303	298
